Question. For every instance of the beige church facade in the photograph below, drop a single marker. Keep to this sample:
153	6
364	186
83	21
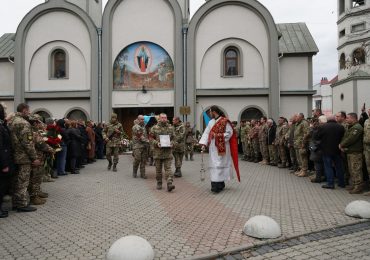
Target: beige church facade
68	59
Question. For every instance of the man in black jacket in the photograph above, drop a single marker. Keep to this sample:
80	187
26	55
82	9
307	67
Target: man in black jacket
330	136
271	136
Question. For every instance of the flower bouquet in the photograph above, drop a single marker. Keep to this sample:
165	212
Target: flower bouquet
53	139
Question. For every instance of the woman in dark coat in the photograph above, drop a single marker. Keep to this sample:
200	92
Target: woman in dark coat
6	160
74	146
62	155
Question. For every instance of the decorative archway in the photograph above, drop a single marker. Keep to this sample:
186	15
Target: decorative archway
77	114
251	112
44	113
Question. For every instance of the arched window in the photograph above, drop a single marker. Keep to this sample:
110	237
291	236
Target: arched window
58	64
45	115
358	57
231	62
77	114
251	113
342	61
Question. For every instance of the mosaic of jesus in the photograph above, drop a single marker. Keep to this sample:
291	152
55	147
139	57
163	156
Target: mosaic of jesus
143	64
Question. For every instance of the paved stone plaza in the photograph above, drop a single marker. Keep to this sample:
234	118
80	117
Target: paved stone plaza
86	213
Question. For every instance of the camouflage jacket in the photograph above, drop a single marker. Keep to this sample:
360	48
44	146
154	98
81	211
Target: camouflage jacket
301	131
42	148
156	131
113	137
352	141
189	135
281	131
262	133
253	134
367	135
244	132
179	139
139	137
22	140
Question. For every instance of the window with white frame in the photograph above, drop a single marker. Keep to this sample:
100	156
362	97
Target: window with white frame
231	61
58	64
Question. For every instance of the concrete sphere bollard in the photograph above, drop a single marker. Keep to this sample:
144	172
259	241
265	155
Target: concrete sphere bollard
262	227
358	209
131	248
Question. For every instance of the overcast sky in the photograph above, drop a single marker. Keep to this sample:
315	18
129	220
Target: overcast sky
319	15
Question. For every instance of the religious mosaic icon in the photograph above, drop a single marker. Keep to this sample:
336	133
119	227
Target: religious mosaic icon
143	64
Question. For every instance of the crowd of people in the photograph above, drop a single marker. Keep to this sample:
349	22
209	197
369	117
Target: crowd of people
323	148
34	149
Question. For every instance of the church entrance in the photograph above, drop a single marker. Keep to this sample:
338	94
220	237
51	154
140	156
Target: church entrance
126	116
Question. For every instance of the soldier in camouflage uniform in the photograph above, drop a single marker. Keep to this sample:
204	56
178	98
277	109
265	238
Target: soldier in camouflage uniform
289	137
253	137
42	148
281	131
140	146
301	132
243	138
112	135
178	144
248	143
163	155
189	142
367	147
262	138
352	145
24	156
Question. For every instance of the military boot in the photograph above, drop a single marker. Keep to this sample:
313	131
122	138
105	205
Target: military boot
37	200
191	158
302	174
177	173
159	185
186	158
3	213
134	172
109	165
357	189
143	176
151	161
115	167
170	186
43	195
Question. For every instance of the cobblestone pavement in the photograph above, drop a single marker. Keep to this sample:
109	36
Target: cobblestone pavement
86	213
344	243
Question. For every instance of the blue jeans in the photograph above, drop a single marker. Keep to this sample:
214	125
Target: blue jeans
61	160
329	160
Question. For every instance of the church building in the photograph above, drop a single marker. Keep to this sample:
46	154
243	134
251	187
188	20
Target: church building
68	59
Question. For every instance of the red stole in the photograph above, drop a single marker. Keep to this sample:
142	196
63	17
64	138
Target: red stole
217	132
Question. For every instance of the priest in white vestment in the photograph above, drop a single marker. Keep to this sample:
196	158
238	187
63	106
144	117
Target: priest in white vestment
217	137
